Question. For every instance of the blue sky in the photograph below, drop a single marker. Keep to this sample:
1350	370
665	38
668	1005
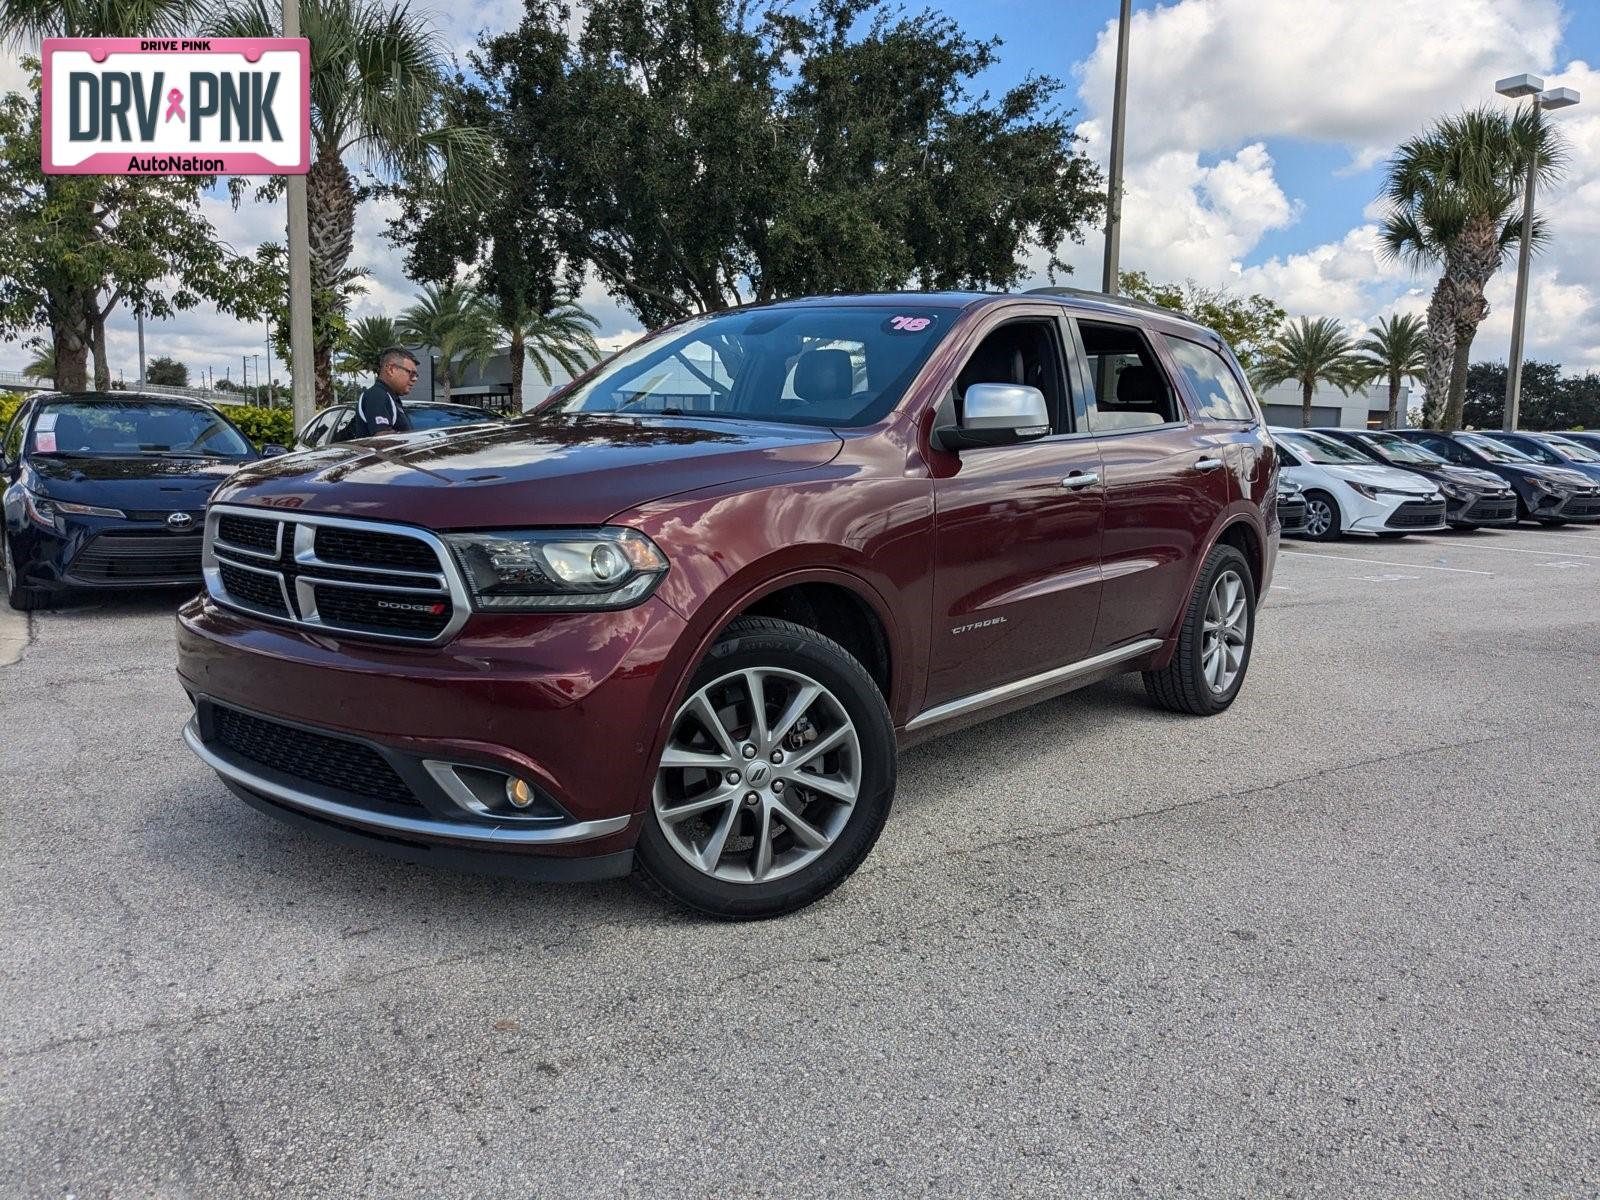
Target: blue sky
1257	133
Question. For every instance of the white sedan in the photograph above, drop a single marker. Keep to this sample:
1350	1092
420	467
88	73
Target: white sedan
1346	492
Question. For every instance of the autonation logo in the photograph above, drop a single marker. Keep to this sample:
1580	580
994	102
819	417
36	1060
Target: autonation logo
201	106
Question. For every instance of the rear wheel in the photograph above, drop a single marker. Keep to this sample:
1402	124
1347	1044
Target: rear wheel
23	599
1322	517
1213	654
777	775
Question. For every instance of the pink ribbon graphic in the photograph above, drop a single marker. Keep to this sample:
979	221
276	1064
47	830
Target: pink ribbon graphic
175	105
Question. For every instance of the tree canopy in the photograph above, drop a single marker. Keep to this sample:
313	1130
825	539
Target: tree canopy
1550	400
694	154
1248	323
74	246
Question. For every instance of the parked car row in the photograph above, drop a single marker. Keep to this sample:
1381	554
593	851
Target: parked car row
1393	482
109	489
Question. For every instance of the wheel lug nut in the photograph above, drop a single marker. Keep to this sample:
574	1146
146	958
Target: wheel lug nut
777	756
777	787
751	799
733	777
749	750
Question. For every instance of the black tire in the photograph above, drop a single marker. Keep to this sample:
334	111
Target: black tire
23	599
1181	686
755	642
1333	529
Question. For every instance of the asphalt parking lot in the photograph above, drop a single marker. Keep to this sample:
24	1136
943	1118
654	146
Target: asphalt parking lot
1344	938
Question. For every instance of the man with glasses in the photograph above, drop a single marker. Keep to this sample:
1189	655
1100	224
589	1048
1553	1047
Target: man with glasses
379	410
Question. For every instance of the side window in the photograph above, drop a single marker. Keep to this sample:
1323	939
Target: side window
1287	457
1130	391
339	425
13	441
1026	352
1447	448
313	430
1211	381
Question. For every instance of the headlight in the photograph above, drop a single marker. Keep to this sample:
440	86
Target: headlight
1550	486
1454	492
44	510
543	569
1372	493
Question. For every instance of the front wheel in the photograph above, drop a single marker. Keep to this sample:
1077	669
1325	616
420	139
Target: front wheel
776	778
23	599
1213	653
1322	517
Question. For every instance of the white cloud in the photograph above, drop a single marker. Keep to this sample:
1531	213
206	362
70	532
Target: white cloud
1208	74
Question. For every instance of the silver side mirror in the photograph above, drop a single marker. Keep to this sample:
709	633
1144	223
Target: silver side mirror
996	414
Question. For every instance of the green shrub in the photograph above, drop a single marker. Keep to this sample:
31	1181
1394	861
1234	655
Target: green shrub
262	425
8	405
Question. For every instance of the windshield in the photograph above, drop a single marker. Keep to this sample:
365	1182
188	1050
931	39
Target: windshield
1533	450
1576	451
437	418
1493	450
1317	449
1397	449
136	427
803	365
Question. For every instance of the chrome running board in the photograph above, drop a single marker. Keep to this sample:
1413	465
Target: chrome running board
1033	683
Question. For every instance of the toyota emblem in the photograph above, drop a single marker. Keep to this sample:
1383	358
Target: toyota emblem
179	520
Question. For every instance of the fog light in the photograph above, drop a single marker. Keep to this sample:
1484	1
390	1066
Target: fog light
519	792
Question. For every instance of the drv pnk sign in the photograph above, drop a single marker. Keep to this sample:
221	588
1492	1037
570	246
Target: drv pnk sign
176	106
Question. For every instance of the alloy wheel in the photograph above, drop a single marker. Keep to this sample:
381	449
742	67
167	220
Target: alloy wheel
759	776
1319	516
1225	632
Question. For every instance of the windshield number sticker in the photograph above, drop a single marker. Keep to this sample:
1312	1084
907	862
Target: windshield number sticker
47	422
44	441
908	324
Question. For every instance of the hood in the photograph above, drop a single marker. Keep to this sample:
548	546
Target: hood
536	471
1469	477
1378	475
144	482
1563	475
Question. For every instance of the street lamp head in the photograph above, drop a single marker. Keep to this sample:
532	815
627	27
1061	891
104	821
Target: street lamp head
1558	98
1519	85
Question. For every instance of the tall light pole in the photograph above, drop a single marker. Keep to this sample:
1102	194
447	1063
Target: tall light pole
302	377
1539	99
139	312
1119	114
271	398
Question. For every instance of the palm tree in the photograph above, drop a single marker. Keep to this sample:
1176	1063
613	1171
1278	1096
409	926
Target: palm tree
1310	352
369	337
1396	350
43	364
1455	199
561	336
456	321
377	70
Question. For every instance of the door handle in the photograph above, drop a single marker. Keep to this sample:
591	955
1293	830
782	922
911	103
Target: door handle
1207	464
1081	479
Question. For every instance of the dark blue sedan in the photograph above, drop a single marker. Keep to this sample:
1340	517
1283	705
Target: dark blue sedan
108	490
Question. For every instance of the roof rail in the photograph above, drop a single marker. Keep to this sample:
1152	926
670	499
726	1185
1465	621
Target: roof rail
1108	298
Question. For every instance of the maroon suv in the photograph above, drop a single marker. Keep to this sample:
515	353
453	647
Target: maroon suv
682	616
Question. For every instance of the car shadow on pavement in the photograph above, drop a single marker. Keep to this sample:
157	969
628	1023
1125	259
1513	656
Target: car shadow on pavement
111	604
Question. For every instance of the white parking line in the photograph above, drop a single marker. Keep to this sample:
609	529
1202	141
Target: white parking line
1381	562
1513	550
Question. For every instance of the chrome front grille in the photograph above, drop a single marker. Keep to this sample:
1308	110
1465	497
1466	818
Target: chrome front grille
337	574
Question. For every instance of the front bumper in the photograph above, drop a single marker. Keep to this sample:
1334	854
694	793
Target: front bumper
572	704
99	552
1392	515
422	839
1499	508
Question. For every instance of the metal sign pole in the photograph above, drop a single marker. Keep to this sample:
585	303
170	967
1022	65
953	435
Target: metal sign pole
302	375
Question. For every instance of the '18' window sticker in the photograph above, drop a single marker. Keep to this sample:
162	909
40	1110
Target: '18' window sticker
908	323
